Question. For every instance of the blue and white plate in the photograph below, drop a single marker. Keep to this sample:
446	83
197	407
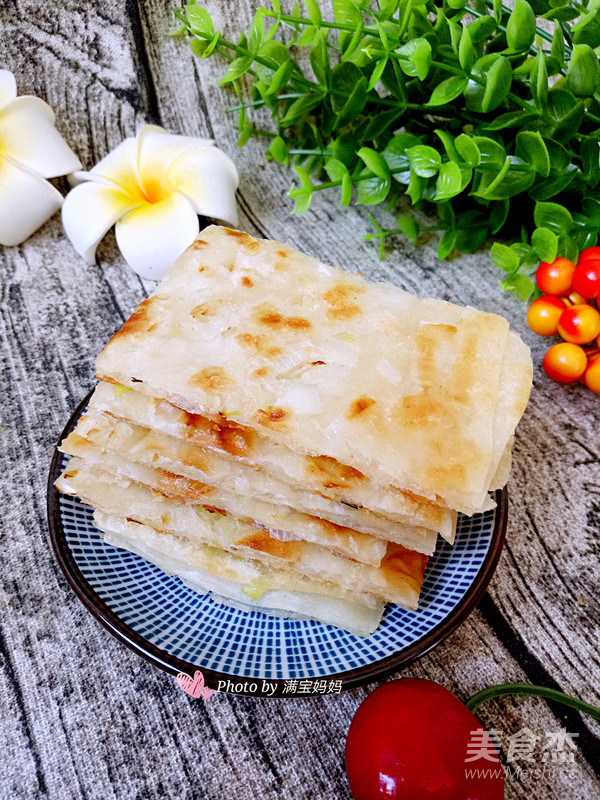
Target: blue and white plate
249	652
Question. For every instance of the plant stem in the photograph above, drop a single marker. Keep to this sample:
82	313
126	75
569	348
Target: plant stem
529	689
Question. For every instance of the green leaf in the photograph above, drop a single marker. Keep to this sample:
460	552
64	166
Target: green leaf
512	119
345	12
583	72
531	148
561	14
498	213
417	58
374	161
466	52
245	130
497	6
300	108
520	29
472	231
346	190
376	124
496	72
387	8
314	12
424	160
520	285
567	248
554	217
349	92
416	187
446	244
199	19
449	146
448	90
257	32
236	69
308	35
409	227
545	244
280	77
491	154
449	181
504	257
335	169
319	59
302	200
557	51
278	150
468	150
481	29
396	157
539	81
590	159
372	191
551	187
377	73
570	123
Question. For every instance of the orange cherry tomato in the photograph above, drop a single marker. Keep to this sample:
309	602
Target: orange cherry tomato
565	362
579	324
555	278
543	315
589	254
586	278
574	299
591	376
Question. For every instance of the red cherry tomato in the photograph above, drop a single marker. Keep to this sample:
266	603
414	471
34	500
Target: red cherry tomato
565	362
411	740
589	254
591	376
586	279
555	278
543	315
579	324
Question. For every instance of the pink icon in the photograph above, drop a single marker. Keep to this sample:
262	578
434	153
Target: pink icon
194	686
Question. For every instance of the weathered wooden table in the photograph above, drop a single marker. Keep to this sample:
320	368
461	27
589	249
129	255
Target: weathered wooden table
83	717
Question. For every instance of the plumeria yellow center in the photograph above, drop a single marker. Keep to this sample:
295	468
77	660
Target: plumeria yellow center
148	189
154	190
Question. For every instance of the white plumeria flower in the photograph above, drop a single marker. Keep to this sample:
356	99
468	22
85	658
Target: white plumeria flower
31	149
152	188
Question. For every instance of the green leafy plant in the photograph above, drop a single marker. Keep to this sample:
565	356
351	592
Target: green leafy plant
487	115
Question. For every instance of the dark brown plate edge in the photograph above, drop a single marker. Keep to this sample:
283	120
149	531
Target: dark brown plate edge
351	679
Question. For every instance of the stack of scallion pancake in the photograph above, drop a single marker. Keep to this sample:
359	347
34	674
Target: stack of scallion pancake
291	438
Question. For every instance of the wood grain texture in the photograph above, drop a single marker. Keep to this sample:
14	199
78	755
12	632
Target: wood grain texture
81	716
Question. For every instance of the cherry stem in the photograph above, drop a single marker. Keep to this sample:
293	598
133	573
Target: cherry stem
528	689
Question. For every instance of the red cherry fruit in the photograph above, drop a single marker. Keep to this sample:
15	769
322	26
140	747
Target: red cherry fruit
555	278
586	279
590	253
410	740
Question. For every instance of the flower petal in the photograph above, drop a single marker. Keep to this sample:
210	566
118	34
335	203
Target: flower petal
89	211
157	149
28	135
209	178
26	200
117	169
8	87
153	236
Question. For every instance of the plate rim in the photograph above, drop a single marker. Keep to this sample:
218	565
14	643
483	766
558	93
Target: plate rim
351	679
